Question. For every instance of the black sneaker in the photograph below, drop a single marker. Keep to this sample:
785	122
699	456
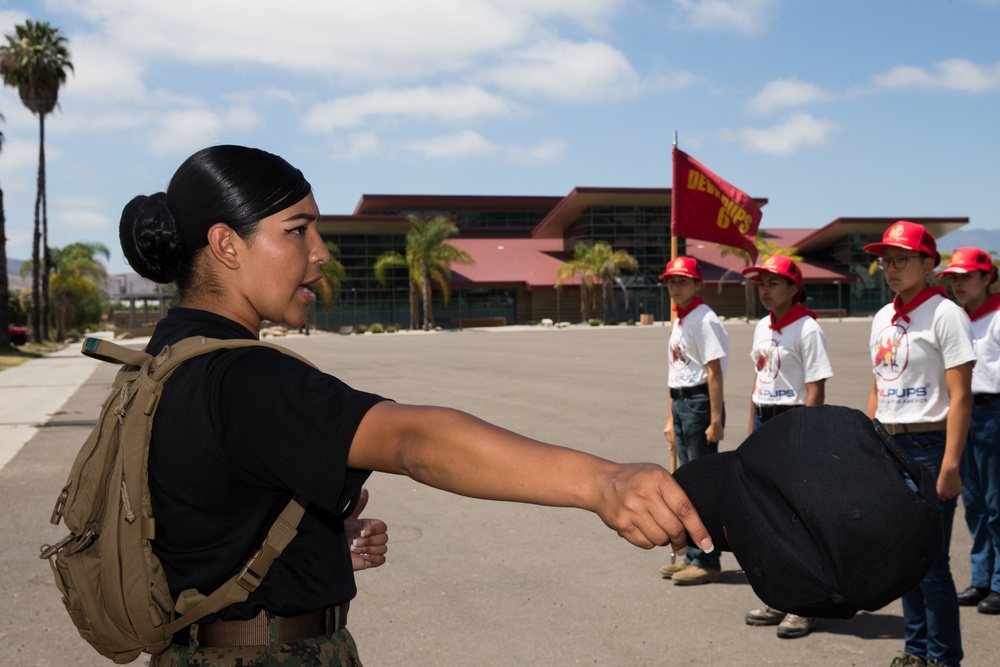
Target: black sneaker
972	596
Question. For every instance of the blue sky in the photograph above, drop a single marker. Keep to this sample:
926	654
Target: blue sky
826	108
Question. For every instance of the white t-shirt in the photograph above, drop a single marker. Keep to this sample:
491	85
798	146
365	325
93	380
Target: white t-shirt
909	359
986	340
694	341
785	362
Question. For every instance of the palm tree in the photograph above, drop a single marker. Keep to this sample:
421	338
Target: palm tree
597	264
328	288
583	267
34	60
428	260
610	264
4	284
77	271
393	260
765	248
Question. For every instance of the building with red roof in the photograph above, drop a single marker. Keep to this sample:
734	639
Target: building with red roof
518	244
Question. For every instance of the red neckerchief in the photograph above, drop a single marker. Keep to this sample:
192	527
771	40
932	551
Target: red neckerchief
992	304
682	312
797	312
926	293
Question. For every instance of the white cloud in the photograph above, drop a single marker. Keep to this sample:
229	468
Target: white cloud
547	151
470	145
373	40
358	146
465	144
450	103
955	74
101	72
783	93
750	17
181	132
785	139
564	70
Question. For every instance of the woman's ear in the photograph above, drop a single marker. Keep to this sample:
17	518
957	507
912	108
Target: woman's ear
223	245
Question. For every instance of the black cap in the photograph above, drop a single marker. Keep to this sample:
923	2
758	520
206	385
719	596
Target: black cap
825	513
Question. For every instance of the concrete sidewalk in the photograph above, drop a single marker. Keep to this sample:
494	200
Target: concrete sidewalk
487	583
32	393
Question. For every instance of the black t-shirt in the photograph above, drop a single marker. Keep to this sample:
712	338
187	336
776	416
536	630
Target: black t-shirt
236	433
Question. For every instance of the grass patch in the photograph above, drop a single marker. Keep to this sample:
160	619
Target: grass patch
17	355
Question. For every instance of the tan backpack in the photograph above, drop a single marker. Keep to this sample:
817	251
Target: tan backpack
112	583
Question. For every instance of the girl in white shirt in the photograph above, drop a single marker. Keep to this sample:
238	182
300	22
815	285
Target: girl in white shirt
972	272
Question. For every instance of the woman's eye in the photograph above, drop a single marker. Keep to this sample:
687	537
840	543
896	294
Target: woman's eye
298	230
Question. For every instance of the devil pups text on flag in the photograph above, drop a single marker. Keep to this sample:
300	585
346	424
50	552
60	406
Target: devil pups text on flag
705	207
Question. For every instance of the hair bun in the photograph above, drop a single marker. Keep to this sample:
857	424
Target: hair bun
149	238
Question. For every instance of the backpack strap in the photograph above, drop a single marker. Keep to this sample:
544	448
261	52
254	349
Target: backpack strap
173	355
194	606
105	350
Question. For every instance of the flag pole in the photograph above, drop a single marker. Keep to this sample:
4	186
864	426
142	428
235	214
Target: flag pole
673	256
673	195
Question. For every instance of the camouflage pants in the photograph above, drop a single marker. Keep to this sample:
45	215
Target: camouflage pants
336	651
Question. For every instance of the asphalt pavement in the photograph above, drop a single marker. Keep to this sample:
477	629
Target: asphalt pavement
470	581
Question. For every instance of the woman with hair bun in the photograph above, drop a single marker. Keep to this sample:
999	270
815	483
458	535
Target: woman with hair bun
238	432
972	272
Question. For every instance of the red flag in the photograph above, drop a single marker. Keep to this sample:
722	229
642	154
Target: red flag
705	207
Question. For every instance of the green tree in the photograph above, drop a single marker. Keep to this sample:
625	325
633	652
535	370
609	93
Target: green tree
765	248
610	263
35	60
428	261
597	264
75	281
582	267
328	288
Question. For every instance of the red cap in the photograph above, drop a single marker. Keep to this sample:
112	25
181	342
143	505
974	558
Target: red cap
779	264
682	266
967	260
906	234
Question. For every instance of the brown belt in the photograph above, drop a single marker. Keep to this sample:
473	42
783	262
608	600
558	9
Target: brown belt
255	631
919	427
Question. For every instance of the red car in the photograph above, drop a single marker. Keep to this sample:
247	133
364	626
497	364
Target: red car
18	335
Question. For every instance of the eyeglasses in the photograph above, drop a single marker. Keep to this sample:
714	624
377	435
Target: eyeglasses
898	262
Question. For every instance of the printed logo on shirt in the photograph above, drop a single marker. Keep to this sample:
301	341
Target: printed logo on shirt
767	360
892	352
678	353
903	394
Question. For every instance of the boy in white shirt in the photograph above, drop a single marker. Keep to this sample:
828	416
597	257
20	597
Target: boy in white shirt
698	353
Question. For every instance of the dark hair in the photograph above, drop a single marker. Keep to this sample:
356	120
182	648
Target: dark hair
162	233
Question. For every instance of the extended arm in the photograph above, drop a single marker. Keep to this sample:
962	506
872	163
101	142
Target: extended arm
454	451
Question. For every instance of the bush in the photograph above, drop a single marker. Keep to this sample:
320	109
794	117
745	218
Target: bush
360	328
392	328
612	323
376	328
594	322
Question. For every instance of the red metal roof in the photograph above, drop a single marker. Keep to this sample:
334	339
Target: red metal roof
506	262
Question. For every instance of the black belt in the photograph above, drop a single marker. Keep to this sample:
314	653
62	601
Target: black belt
255	631
768	411
982	399
687	392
